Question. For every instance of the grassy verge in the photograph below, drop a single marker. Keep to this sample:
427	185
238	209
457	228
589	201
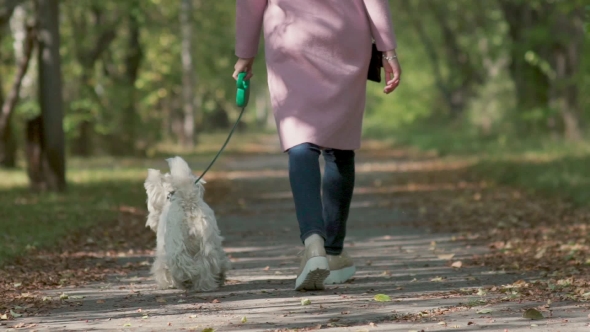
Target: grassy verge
37	220
98	188
537	164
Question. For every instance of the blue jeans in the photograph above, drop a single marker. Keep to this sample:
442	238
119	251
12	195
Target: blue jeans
322	205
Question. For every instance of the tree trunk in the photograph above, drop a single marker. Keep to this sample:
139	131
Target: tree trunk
565	59
34	154
123	140
458	86
102	32
50	96
188	84
532	85
7	141
8	145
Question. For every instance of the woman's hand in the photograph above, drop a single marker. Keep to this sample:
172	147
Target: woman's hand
243	65
393	71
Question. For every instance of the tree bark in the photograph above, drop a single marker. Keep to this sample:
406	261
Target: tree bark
122	141
532	85
188	81
83	143
457	87
565	59
7	141
36	159
536	89
50	96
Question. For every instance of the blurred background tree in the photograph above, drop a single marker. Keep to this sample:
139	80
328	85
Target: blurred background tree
141	75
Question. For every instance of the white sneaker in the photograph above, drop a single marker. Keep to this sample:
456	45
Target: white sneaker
341	269
314	268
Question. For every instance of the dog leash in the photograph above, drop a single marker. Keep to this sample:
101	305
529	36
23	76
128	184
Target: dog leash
242	98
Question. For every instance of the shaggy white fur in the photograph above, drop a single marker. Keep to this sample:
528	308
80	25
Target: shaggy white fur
189	254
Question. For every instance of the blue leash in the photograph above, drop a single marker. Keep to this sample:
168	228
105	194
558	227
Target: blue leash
242	98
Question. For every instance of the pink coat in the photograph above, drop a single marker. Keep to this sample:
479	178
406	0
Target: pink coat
317	56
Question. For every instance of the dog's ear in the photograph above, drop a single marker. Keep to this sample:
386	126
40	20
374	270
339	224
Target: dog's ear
154	178
178	167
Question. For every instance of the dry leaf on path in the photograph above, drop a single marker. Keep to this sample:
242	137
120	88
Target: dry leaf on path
533	314
446	256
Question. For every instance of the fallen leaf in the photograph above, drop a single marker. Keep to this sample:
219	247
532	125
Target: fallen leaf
17	284
382	298
215	301
126	324
533	314
99	301
244	319
4	317
14	314
484	311
76	297
437	279
446	256
266	268
481	292
192	316
208	329
457	264
145	317
63	296
305	302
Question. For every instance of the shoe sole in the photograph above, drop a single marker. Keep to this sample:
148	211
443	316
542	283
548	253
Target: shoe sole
340	276
314	273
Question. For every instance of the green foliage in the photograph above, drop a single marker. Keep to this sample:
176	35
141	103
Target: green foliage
470	82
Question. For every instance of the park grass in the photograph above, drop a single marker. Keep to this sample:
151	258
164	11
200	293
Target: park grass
98	188
34	221
537	164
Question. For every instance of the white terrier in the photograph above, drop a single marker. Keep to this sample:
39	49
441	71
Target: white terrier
189	254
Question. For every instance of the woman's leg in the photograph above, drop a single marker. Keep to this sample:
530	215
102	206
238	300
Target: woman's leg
337	187
306	179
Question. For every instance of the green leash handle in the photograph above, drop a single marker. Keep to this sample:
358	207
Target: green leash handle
242	98
243	90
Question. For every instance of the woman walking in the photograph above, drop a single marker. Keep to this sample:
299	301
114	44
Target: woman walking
317	58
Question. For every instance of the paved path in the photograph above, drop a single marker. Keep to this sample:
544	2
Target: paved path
411	265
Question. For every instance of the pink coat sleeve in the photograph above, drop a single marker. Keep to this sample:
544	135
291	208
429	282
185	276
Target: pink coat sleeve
381	24
249	15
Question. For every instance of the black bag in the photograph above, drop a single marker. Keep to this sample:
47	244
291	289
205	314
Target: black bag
375	66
